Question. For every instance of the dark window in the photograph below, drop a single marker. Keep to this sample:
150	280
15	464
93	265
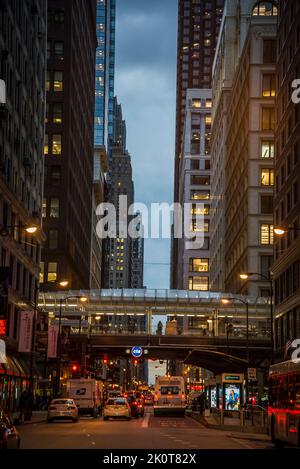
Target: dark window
265	264
269	51
266	204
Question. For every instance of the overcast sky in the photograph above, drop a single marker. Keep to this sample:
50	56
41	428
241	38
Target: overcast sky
145	83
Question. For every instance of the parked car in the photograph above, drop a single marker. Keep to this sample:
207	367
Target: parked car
62	409
117	408
9	435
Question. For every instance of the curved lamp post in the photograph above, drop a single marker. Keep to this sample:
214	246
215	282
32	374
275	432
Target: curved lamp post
245	276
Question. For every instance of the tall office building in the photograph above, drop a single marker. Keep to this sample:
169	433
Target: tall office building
105	71
198	26
242	157
22	74
69	142
287	180
194	189
103	125
118	251
137	256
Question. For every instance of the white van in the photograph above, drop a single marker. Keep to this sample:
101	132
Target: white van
87	394
169	395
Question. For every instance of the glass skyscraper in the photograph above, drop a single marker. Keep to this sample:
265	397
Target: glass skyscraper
105	70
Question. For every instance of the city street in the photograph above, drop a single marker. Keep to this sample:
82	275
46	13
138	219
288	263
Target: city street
147	433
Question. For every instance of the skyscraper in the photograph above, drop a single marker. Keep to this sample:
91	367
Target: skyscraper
22	70
198	27
69	144
105	71
286	269
242	158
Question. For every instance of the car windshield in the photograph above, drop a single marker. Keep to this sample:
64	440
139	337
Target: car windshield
116	402
62	401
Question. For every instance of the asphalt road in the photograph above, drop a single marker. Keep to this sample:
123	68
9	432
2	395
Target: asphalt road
147	433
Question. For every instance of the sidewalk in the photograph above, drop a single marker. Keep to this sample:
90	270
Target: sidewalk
230	424
38	416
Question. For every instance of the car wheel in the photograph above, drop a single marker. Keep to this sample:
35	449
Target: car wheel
105	418
128	418
74	420
49	420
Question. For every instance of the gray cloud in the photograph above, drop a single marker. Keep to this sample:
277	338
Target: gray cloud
146	86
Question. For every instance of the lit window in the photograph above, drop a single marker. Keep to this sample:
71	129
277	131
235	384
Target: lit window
44	208
46	145
207	42
199	265
57	113
267	177
268	118
266	234
200	227
198	283
196	103
200	195
208	120
54	207
42	272
265	9
58	81
52	271
268	85
200	209
56	144
267	149
208	103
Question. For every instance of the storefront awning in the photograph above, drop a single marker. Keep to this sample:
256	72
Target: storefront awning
13	367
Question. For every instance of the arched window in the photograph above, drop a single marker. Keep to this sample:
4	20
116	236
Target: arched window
265	9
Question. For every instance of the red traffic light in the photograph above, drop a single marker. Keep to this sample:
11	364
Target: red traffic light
74	368
135	361
105	360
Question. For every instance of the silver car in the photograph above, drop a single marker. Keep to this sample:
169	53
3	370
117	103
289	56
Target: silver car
61	409
116	408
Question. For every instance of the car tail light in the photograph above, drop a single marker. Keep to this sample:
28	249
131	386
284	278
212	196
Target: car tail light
140	405
52	407
182	396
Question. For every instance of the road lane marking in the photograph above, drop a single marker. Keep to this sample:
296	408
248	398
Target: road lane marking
242	443
145	423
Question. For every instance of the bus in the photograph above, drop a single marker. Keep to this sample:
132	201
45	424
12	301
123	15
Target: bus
169	395
284	403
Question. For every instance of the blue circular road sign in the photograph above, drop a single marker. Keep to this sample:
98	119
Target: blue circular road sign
136	352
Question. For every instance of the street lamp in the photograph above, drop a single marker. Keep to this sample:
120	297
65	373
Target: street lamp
81	298
245	302
31	229
282	231
245	276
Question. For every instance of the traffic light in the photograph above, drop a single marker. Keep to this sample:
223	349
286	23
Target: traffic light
105	361
75	370
135	361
